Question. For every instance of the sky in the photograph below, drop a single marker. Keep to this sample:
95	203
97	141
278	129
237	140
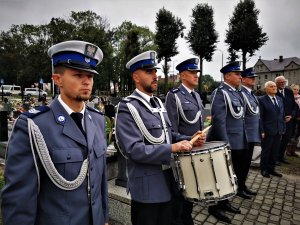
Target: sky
279	19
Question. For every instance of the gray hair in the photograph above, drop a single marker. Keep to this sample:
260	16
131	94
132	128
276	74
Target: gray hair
268	83
279	78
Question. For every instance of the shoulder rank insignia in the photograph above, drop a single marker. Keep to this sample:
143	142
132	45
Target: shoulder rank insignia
175	90
126	99
36	111
94	110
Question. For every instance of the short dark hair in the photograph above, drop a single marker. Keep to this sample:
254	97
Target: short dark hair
59	69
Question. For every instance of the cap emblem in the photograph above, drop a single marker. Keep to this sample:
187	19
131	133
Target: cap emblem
90	50
152	55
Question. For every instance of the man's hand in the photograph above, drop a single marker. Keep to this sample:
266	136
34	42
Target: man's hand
287	119
198	138
182	146
262	135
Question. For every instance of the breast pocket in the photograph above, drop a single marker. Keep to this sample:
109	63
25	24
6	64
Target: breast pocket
68	162
237	106
100	153
187	106
154	127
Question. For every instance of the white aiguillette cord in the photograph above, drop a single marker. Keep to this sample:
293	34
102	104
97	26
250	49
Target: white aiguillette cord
198	135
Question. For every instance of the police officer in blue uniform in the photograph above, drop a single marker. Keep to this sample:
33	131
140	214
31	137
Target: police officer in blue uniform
252	121
143	133
185	111
55	169
227	111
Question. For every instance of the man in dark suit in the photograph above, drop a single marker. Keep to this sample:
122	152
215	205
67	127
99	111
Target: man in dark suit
290	111
143	132
185	110
55	168
272	128
227	111
251	125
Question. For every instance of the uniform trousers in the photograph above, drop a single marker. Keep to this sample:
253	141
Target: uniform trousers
151	213
240	162
269	152
181	210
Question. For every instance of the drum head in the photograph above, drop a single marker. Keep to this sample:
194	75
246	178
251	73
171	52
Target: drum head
208	146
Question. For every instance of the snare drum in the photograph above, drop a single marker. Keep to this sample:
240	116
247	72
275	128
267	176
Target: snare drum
206	174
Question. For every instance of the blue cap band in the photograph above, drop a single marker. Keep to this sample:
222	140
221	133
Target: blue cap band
188	67
74	57
142	64
232	69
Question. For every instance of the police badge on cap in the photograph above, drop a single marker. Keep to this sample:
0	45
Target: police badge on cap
232	67
190	64
249	72
145	60
78	55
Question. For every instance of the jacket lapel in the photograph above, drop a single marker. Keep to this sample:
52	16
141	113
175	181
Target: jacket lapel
90	128
70	128
188	96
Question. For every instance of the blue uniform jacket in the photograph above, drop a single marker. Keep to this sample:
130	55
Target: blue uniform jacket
272	118
147	182
224	126
21	201
252	122
190	107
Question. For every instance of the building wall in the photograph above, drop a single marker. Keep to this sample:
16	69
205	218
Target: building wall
290	72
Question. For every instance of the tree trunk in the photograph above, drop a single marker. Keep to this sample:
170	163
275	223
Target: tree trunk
200	75
244	59
166	76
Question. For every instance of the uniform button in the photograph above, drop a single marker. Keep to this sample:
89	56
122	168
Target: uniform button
91	168
90	151
92	186
68	156
93	202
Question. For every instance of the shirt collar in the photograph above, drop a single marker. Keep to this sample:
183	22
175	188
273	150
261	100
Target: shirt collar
189	90
67	108
145	96
248	89
230	86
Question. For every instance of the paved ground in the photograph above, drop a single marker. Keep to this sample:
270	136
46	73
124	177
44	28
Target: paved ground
277	202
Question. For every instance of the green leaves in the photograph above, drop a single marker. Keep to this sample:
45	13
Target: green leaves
244	33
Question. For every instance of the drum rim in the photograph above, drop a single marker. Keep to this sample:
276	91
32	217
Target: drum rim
211	201
204	151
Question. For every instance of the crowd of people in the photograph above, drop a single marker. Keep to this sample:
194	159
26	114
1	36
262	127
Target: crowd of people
61	178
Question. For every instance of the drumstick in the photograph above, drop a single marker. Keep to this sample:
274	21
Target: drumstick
198	135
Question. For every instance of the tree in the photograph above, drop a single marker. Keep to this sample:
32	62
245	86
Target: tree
168	29
23	48
244	33
128	41
202	37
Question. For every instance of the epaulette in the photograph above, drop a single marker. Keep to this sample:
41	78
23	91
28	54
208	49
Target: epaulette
94	110
221	87
175	90
126	99
36	111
